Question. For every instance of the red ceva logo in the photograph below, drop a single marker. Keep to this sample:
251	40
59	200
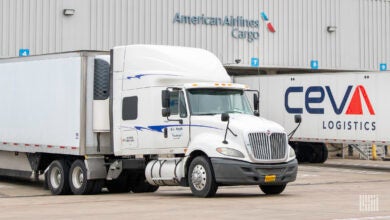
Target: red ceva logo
355	106
314	96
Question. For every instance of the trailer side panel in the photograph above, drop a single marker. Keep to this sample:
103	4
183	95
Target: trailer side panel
335	107
40	105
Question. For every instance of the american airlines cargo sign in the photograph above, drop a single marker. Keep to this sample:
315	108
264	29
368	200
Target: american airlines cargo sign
236	22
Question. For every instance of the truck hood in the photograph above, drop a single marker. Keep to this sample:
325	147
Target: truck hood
239	122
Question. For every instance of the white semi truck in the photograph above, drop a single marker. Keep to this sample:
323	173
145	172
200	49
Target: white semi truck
342	108
136	119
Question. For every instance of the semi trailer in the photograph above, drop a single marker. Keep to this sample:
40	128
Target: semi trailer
345	108
134	119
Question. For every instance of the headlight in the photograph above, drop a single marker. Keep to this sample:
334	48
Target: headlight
230	152
292	153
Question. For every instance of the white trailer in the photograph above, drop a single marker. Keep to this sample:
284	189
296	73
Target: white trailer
345	108
136	119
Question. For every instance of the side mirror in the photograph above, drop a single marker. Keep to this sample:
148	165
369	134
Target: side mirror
166	112
256	102
297	118
165	98
225	117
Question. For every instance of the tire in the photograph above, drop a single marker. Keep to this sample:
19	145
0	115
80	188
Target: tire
140	185
97	187
306	152
119	185
201	178
272	189
45	183
321	152
302	151
57	178
300	154
79	184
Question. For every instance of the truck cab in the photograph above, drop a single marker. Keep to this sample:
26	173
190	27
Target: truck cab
178	108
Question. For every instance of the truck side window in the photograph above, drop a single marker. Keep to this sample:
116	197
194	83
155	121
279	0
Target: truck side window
130	108
177	104
174	103
182	105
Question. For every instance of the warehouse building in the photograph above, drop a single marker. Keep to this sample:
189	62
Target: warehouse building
251	36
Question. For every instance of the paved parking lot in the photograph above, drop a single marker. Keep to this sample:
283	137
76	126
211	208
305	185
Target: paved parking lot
318	193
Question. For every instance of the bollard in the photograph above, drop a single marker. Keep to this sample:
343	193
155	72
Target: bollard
373	152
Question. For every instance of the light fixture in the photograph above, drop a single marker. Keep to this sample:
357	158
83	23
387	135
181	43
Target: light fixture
69	12
331	29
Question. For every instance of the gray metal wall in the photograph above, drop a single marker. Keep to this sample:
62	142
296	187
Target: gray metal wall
361	39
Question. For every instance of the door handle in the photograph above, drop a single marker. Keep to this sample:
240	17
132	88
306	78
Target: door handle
165	132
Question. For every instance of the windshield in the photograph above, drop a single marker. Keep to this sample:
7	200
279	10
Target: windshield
217	101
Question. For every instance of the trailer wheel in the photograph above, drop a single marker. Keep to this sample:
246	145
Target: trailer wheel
303	151
321	152
79	184
272	189
57	178
201	177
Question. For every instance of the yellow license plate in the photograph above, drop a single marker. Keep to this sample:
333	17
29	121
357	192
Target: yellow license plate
270	178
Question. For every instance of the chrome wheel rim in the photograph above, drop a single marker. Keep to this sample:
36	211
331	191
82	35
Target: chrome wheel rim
199	177
55	177
77	177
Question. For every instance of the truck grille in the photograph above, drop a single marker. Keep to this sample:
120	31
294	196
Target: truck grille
268	147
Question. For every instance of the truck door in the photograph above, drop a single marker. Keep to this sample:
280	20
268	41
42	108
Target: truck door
137	125
177	127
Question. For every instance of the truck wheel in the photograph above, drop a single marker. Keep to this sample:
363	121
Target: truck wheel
201	178
140	185
78	179
272	189
119	185
57	178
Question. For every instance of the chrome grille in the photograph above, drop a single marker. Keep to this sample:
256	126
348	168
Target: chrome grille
268	147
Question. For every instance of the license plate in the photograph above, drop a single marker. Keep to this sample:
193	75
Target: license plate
270	178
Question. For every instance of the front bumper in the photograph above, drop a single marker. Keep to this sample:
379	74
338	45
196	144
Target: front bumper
234	172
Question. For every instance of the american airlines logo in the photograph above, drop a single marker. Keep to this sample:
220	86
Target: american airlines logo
314	96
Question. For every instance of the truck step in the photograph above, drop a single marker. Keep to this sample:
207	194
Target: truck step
163	179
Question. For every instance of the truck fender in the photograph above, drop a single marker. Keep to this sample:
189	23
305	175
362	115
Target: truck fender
96	168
